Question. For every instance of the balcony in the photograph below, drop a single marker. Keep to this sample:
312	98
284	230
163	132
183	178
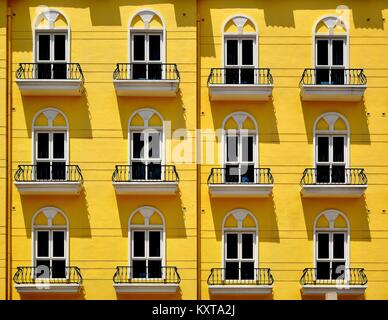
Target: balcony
49	179
141	179
335	182
333	84
232	182
239	84
349	281
50	79
146	79
255	281
159	280
61	280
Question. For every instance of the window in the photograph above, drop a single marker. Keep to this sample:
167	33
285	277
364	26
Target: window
240	245
51	45
331	51
146	236
50	232
240	54
147	48
331	246
146	146
240	145
331	149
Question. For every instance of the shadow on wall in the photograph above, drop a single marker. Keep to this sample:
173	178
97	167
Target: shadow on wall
354	112
355	210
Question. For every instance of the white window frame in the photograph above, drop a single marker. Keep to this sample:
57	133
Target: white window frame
52	35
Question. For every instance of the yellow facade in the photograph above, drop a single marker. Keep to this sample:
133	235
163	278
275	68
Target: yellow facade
98	129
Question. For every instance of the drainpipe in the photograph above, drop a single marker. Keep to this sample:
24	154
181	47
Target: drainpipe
8	156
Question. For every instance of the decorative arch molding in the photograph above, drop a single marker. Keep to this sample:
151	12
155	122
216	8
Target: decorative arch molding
50	114
331	215
51	16
240	215
50	213
239	21
240	117
145	114
146	212
331	118
331	21
146	16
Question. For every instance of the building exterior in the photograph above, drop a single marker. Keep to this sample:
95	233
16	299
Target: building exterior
193	150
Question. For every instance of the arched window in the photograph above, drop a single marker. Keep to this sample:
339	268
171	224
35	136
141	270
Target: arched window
147	45
50	236
240	50
146	243
331	237
331	50
146	145
331	140
240	243
50	144
51	45
240	146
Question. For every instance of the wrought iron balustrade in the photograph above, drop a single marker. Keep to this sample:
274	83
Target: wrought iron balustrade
146	71
238	175
333	76
345	276
50	275
145	173
162	275
50	71
334	175
46	172
240	76
255	276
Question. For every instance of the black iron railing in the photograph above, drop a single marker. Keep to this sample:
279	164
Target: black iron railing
144	173
240	76
146	71
328	76
50	71
162	275
334	175
239	175
347	276
256	276
48	172
32	275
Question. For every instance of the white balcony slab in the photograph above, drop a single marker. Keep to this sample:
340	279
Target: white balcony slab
349	93
338	289
48	288
146	287
145	188
240	289
240	190
146	88
235	92
333	191
49	188
50	87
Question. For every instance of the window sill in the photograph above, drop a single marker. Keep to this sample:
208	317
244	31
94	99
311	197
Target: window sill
350	93
146	88
240	190
50	87
146	287
236	92
333	191
240	289
48	288
49	188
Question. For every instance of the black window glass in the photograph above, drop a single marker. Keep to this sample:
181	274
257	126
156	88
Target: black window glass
43	244
232	52
139	47
338	271
138	145
247	52
58	269
338	246
58	171
43	145
247	271
338	52
323	149
154	269
247	246
338	149
322	52
139	244
323	270
154	145
42	270
232	270
231	245
59	47
58	244
323	245
139	269
231	148
59	145
154	243
154	47
44	47
247	148
43	171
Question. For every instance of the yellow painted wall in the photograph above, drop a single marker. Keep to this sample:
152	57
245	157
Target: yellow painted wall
98	141
285	139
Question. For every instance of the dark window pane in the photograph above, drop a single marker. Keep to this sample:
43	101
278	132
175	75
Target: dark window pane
232	174
247	270
139	47
337	76
322	76
59	47
154	171
231	271
44	70
154	243
338	52
338	174
323	149
44	47
338	149
338	271
323	245
232	76
58	244
43	145
247	148
323	174
154	269
58	170
322	52
231	148
154	145
59	145
139	71
138	171
138	244
247	52
154	71
247	173
42	270
139	269
58	269
232	52
59	71
43	244
43	171
138	145
247	76
338	246
323	270
231	245
247	246
154	47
